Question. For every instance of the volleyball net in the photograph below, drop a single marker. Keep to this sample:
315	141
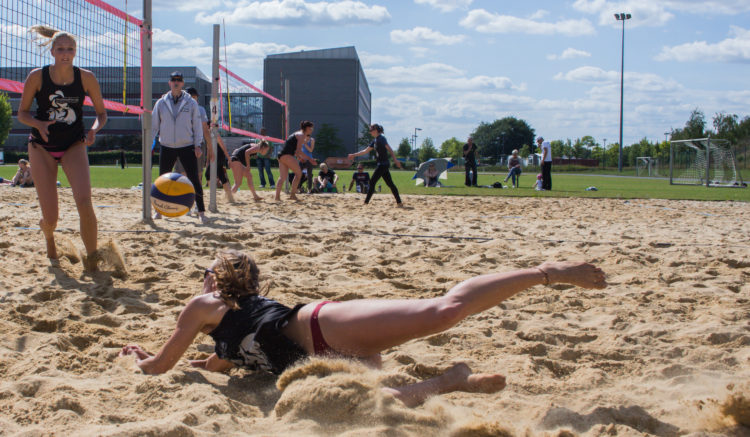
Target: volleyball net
109	44
241	111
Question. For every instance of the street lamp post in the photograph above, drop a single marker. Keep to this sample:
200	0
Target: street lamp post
414	147
622	17
604	153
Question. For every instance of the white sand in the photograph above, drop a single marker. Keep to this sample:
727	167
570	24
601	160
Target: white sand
655	353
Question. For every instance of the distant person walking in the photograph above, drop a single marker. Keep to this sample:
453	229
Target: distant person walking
470	166
263	160
546	163
177	119
382	150
122	159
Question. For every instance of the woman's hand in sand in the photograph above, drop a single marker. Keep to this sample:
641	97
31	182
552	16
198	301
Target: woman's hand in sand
576	273
134	349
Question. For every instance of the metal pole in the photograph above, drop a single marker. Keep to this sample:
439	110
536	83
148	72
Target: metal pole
622	89
214	118
286	108
708	161
146	139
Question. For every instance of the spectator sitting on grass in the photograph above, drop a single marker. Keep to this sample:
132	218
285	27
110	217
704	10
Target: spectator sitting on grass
22	177
327	179
361	178
431	176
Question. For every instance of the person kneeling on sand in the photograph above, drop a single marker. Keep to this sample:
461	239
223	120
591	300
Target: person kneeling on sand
258	333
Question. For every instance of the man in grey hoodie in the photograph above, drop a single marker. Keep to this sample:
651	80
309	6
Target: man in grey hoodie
177	120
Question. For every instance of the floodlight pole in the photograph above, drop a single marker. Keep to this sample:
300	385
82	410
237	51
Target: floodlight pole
414	149
604	153
146	133
622	17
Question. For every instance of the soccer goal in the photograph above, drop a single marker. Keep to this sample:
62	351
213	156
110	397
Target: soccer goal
647	166
704	161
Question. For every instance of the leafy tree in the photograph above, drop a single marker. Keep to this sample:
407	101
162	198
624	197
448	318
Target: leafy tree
404	148
502	136
525	151
365	137
452	148
695	127
6	118
327	142
427	150
726	126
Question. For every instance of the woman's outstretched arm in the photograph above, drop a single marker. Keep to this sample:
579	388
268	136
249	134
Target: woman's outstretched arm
189	324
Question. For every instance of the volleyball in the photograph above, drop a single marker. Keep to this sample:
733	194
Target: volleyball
172	194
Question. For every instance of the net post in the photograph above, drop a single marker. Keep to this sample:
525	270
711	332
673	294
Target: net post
146	139
671	163
214	118
708	161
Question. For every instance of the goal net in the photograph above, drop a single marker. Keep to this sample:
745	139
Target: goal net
647	166
703	161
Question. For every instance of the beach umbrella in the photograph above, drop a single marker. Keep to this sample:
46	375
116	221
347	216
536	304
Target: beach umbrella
441	164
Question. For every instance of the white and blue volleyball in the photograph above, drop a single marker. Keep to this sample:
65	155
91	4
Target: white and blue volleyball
172	194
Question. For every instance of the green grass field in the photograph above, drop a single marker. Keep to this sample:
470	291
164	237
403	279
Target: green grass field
564	185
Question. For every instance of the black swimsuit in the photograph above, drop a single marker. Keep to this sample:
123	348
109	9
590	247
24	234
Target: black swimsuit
290	146
251	336
239	154
64	104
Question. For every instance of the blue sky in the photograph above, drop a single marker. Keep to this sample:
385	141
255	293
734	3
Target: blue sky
446	65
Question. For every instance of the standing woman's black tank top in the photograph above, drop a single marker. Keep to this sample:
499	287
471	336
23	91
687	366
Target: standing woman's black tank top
63	103
290	146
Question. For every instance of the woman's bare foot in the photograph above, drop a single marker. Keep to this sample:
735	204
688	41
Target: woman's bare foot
91	262
258	199
295	198
576	273
49	239
460	378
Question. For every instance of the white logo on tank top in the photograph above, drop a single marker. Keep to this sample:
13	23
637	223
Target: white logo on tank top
60	111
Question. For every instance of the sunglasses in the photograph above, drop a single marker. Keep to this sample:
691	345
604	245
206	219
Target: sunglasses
175	79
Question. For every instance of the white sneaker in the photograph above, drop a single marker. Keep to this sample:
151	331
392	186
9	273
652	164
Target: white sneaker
157	216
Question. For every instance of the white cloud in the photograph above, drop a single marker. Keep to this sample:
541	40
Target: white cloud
445	5
171	46
736	48
437	75
287	13
181	5
645	12
634	81
538	15
372	59
424	35
488	22
570	53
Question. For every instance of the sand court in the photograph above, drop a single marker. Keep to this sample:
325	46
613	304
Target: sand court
664	350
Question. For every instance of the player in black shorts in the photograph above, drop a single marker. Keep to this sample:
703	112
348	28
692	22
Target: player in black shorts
257	333
382	150
289	155
240	164
58	136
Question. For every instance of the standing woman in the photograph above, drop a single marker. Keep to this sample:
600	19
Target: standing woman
382	150
240	164
289	155
58	135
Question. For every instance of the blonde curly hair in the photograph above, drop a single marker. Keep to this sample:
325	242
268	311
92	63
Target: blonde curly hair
236	275
51	34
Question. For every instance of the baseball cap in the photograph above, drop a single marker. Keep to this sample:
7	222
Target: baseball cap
176	75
